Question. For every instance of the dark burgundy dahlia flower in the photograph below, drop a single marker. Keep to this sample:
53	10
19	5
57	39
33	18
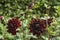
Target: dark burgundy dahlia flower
31	5
50	20
1	17
37	26
13	24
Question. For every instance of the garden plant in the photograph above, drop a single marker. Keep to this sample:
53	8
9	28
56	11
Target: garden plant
29	19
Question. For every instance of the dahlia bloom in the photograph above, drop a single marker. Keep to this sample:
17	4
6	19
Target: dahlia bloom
50	20
1	17
31	5
37	26
13	24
